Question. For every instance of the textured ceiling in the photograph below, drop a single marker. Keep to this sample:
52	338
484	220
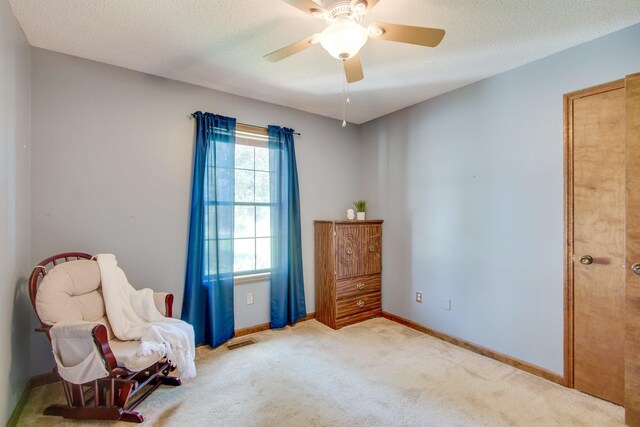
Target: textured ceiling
220	44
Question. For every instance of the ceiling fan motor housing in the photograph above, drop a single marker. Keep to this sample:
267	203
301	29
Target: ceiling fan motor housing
341	9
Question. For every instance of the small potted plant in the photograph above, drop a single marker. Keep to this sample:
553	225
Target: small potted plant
361	207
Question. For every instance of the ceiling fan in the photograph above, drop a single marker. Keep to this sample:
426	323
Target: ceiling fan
344	36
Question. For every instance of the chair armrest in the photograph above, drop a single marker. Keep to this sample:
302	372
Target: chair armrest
95	331
164	303
101	338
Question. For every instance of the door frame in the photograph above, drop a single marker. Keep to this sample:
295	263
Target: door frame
568	219
632	252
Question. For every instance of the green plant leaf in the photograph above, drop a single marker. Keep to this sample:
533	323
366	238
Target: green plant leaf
360	205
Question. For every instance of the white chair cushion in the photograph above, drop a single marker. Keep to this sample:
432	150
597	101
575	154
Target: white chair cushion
125	352
71	292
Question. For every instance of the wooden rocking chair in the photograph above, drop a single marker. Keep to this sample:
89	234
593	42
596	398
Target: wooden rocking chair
74	297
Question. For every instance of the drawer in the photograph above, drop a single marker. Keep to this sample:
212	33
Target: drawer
365	315
351	288
358	304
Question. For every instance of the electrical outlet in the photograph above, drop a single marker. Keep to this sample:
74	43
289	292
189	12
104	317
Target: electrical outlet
419	297
446	304
249	298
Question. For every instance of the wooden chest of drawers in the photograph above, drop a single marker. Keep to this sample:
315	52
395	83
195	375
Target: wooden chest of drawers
348	263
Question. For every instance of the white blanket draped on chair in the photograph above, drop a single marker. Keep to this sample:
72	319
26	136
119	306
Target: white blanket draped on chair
133	316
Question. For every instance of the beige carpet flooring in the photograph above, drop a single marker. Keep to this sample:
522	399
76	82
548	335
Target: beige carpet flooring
377	373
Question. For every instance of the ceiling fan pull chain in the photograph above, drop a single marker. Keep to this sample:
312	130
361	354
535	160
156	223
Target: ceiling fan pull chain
345	91
344	114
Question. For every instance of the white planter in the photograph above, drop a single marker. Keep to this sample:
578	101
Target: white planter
360	215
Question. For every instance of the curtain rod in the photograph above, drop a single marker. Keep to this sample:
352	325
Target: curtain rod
192	115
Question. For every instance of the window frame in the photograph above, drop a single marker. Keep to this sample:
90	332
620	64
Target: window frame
253	136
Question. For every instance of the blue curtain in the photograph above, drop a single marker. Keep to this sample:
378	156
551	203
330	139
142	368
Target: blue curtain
287	283
208	293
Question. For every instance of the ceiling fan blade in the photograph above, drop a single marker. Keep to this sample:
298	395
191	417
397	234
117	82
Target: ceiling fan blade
310	7
353	69
293	48
430	37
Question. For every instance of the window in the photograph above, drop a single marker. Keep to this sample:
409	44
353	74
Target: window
252	220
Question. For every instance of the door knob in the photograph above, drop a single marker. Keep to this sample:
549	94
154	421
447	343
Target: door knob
588	259
636	268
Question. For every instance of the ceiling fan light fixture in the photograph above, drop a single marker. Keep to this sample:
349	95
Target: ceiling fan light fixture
359	6
343	39
375	31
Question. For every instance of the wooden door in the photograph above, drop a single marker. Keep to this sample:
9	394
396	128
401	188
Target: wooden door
597	130
348	254
632	309
371	248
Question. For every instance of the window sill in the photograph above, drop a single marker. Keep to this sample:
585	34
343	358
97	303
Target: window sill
251	278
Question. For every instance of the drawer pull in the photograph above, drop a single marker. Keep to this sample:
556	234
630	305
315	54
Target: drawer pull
360	303
360	286
349	251
372	248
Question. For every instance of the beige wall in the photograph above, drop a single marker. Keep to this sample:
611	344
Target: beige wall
15	210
